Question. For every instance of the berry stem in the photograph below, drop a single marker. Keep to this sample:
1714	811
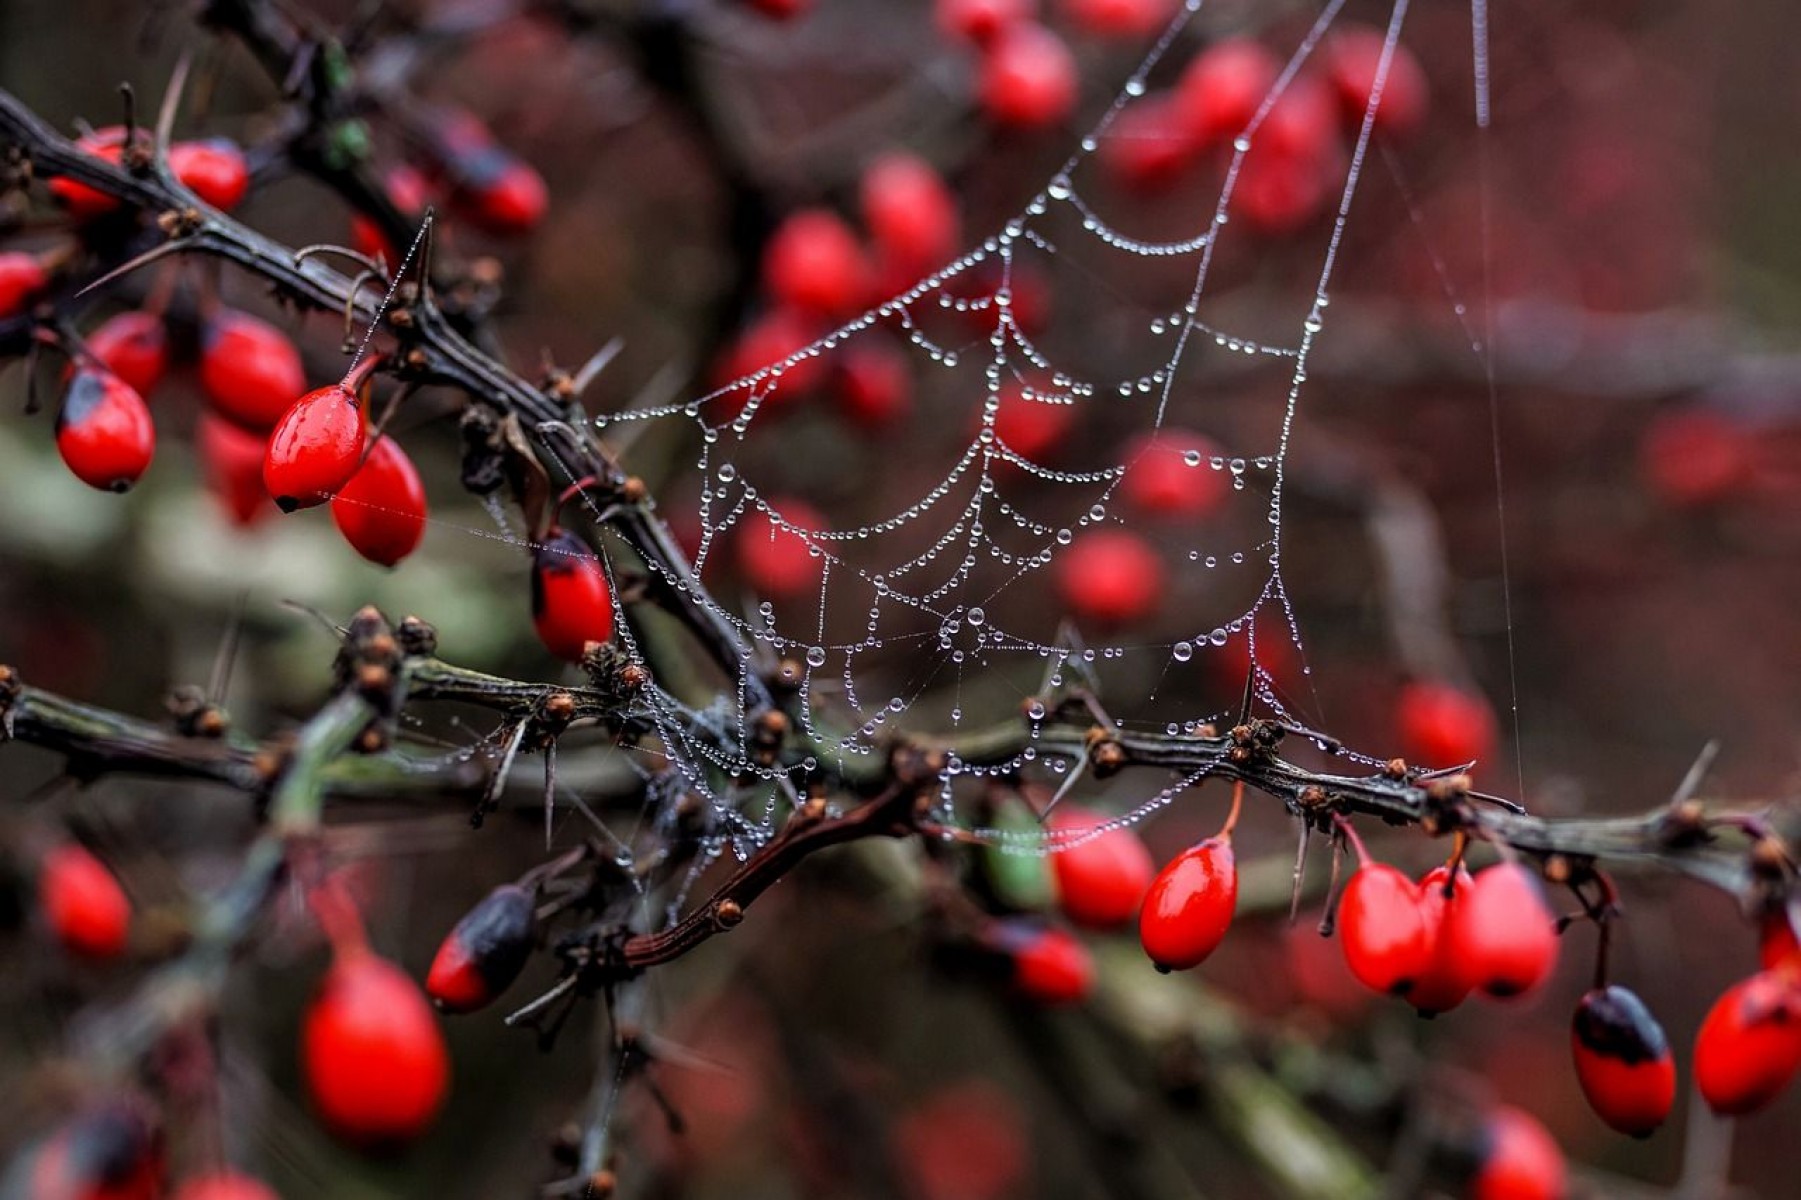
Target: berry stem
1225	831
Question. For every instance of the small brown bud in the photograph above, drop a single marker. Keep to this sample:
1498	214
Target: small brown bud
633	491
373	677
1769	857
400	318
372	740
559	708
210	723
1557	868
382	646
727	914
633	677
602	1184
417	637
1107	758
1395	768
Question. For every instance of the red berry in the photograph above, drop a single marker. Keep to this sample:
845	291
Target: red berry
1223	88
981	21
1028	78
780	10
113	1152
1505	931
250	371
1623	1061
1110	577
315	449
231	461
1383	930
134	346
485	952
1100	881
1693	458
1749	1046
1352	55
768	341
1520	1160
214	170
1776	942
909	211
83	902
1441	724
1051	966
21	278
225	1185
1030	421
104	431
499	192
1170	473
1148	146
1278	194
571	602
371	1052
1301	124
1189	905
83	202
381	511
1448	976
775	557
409	192
875	388
1120	18
814	264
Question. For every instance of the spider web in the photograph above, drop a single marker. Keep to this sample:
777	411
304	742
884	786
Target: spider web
937	612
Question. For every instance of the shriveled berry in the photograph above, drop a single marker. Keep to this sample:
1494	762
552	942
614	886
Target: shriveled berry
1441	724
225	1185
1505	931
1749	1047
909	211
133	345
484	953
371	1052
1189	905
1448	976
250	371
775	554
1519	1160
1171	474
104	431
814	264
1028	78
315	449
22	277
572	604
213	169
381	511
1383	930
1110	577
83	903
1100	881
1623	1061
231	463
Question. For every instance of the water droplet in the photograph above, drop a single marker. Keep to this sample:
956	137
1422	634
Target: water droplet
727	472
975	616
816	656
1035	710
1182	651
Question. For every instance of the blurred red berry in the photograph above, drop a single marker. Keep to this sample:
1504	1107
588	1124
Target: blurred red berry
1032	421
776	558
768	342
1519	1159
1120	18
813	263
779	10
1506	931
1149	145
104	431
1776	941
910	212
83	202
1693	458
572	603
1449	973
1170	473
381	511
874	385
1352	55
225	1185
370	1049
250	371
83	902
231	462
1749	1047
967	1141
110	1152
982	21
133	345
1223	88
214	169
1623	1061
1028	78
409	192
1051	966
22	277
1441	724
1109	577
1101	881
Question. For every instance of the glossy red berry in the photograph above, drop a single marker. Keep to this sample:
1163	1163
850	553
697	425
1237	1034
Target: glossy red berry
1519	1160
1028	78
372	1055
1120	18
22	277
1383	930
315	448
1189	905
1623	1061
776	557
225	1185
83	202
1749	1047
484	953
250	371
874	385
1443	725
572	604
1776	941
83	903
981	21
1448	977
111	1152
1051	966
1223	88
381	511
910	213
133	345
1109	577
213	169
1171	473
814	264
104	431
1100	881
1505	932
231	462
1352	56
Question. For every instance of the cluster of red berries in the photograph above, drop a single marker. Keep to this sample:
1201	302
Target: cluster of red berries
213	169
